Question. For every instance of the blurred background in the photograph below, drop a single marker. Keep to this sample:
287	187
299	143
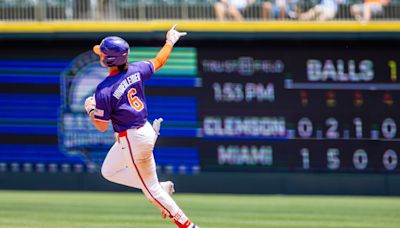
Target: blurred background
275	97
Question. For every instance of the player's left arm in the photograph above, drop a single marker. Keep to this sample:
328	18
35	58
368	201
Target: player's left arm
172	37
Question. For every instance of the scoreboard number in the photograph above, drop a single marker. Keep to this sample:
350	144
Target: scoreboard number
360	159
333	161
305	154
389	128
305	127
390	159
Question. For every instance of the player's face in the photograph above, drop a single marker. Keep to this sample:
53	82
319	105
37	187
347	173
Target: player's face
102	61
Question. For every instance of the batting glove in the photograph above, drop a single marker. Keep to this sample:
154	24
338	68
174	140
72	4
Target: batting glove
157	125
90	104
173	35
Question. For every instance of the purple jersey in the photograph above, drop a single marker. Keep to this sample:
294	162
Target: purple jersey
120	97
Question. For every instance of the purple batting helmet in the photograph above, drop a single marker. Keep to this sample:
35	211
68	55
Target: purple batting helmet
114	49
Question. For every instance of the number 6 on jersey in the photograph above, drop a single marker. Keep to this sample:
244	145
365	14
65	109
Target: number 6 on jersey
135	102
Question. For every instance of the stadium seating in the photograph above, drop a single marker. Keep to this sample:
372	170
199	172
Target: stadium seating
150	9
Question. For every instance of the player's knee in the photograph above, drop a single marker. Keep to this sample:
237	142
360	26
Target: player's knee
154	192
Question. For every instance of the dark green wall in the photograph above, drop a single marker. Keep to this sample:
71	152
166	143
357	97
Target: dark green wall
242	183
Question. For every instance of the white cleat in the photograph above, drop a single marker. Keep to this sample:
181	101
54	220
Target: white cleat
168	187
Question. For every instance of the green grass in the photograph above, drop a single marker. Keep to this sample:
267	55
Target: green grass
88	209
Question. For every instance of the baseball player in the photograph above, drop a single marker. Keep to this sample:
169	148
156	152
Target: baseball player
120	98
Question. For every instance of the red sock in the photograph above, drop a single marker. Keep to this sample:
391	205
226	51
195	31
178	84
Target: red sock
181	220
184	225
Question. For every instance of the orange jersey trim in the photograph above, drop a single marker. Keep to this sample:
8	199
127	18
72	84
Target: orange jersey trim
100	119
114	72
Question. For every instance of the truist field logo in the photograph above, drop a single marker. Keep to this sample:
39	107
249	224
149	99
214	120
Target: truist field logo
76	134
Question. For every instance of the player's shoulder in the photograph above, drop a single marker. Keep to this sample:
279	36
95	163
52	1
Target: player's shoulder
103	84
144	65
140	64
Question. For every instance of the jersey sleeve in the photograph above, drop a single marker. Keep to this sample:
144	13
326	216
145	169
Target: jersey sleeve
146	69
103	107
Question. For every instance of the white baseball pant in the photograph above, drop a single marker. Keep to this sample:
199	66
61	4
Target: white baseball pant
131	162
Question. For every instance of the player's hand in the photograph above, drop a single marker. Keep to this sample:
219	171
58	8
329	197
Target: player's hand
173	35
90	104
157	125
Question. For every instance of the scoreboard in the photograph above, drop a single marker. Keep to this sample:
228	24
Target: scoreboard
326	108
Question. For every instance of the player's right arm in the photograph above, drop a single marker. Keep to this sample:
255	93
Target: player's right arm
172	37
99	124
99	109
90	106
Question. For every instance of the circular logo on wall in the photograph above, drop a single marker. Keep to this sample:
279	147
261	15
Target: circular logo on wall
77	135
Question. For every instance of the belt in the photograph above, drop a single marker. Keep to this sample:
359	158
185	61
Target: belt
125	133
122	134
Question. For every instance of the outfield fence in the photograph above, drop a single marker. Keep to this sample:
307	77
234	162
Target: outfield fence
123	10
